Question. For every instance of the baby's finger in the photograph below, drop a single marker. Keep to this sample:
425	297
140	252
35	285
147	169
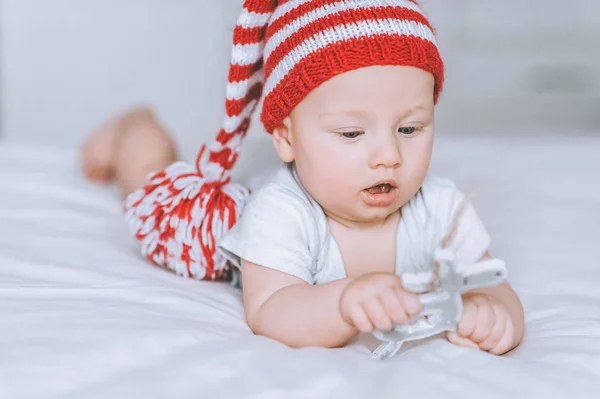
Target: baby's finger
393	307
507	341
486	318
468	320
377	315
410	302
456	339
497	331
360	320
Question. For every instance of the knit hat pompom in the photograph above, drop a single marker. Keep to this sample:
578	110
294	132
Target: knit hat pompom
282	50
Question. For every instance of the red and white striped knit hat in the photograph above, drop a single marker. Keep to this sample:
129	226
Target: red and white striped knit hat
282	50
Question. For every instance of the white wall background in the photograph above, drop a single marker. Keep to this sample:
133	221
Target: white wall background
67	65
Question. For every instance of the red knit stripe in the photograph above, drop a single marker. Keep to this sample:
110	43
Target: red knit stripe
260	6
278	24
223	137
225	158
341	18
243	35
346	56
235	107
238	73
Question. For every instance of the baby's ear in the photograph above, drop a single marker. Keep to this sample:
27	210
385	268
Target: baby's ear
282	140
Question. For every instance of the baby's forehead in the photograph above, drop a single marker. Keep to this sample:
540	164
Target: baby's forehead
390	82
370	93
366	112
366	107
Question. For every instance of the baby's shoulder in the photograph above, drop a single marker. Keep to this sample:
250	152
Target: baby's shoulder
277	229
436	193
282	187
438	185
282	199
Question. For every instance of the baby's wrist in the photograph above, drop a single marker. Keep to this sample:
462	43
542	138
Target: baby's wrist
342	306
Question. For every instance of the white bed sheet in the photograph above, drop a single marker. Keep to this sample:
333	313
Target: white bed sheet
82	316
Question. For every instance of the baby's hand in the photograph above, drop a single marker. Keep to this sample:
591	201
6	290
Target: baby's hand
485	324
377	301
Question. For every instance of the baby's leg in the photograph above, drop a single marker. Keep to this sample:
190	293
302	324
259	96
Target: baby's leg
127	149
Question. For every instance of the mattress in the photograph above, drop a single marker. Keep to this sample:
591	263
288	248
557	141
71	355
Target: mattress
83	316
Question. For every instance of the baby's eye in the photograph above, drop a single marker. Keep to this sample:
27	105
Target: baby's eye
351	135
407	130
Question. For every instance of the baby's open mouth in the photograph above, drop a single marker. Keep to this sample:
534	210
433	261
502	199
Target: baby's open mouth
380	189
382	194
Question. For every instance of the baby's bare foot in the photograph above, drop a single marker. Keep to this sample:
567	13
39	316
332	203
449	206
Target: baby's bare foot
145	146
97	154
127	148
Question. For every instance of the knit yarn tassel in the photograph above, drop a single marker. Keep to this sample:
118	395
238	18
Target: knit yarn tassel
179	216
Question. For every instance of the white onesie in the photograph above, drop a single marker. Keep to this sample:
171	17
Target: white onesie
284	228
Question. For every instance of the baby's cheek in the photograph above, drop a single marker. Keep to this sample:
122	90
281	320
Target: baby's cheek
334	189
333	176
333	184
412	174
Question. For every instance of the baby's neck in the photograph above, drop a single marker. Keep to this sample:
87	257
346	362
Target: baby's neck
367	247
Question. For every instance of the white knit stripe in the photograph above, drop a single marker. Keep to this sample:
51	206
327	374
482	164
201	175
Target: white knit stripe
247	54
285	8
238	90
341	33
233	122
250	19
325	11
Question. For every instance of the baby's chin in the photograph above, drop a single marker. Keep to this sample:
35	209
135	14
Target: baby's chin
376	215
364	217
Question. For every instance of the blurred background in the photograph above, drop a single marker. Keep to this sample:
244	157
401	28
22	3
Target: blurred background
67	65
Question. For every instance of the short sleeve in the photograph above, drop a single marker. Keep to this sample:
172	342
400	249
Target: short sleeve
471	240
274	231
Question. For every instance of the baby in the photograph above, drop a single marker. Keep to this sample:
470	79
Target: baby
348	90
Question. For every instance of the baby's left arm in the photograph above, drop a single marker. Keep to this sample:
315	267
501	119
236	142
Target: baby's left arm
492	319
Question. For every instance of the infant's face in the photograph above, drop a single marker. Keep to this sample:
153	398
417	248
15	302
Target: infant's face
362	128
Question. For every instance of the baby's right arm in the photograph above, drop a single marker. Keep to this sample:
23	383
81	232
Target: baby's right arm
288	309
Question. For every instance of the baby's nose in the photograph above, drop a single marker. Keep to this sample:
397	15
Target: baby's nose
387	154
